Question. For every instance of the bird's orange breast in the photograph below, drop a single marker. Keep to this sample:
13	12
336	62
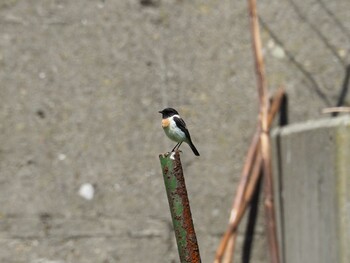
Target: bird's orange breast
165	123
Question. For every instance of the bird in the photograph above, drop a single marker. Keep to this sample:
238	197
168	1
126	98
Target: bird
175	128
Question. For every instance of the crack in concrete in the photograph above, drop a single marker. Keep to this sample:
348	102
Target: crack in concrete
335	19
323	38
315	87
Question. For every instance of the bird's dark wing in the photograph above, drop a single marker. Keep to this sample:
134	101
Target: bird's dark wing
182	126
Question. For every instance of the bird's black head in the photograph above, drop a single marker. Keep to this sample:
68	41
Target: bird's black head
168	112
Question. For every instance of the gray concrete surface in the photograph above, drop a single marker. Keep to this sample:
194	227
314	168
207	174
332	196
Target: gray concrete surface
312	189
81	85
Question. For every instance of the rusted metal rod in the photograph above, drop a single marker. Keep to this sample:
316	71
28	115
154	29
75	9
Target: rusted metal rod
249	177
179	207
265	146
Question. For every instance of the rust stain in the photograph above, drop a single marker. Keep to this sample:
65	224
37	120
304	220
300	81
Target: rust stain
193	255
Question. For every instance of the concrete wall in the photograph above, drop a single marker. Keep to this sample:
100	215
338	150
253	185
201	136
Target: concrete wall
81	83
312	182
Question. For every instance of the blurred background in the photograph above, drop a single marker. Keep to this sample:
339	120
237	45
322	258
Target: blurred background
81	86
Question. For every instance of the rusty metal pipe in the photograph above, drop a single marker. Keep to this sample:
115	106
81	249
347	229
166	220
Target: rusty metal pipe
179	207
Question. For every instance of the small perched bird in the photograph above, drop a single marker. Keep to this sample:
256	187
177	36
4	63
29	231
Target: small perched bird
175	128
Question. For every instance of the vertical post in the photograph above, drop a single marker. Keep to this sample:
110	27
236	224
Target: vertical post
179	207
265	148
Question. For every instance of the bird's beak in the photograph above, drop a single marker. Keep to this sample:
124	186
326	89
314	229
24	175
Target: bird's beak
160	111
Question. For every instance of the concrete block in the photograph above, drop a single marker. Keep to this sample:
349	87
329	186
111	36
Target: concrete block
312	181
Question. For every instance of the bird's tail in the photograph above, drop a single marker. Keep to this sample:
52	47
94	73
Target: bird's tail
193	148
